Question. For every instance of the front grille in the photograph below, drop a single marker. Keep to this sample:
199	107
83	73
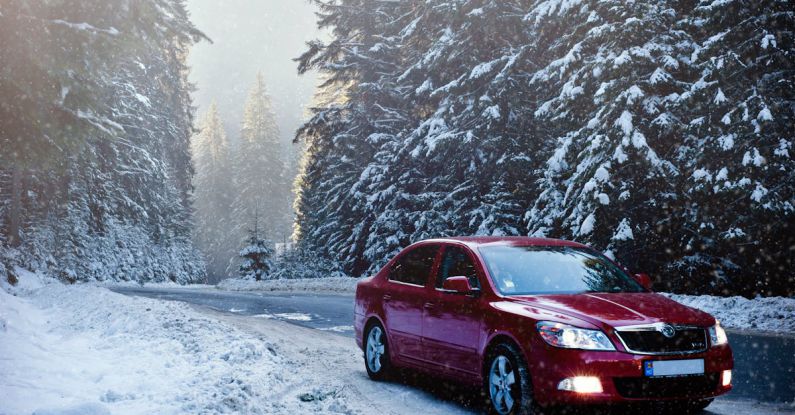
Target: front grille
670	387
653	341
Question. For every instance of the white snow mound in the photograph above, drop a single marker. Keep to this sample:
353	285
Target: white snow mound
762	313
342	285
84	349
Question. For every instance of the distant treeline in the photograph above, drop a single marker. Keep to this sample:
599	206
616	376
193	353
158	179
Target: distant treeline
660	132
242	192
95	122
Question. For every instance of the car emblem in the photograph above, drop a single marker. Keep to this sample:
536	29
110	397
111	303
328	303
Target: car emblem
667	330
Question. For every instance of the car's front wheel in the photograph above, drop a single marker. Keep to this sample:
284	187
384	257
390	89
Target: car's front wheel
507	382
376	352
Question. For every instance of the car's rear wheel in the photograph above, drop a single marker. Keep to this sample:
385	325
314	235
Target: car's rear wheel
376	352
507	382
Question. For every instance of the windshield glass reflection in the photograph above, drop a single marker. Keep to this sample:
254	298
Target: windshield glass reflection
521	270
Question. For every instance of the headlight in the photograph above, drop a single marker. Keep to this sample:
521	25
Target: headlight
717	335
570	337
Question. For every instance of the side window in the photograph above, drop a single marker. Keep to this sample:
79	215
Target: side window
415	266
456	263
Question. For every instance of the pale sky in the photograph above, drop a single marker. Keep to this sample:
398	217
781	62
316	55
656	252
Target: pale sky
252	35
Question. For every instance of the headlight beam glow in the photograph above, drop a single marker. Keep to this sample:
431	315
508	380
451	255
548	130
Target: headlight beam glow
581	384
717	335
726	378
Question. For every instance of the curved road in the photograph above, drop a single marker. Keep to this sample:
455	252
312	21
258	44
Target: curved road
764	363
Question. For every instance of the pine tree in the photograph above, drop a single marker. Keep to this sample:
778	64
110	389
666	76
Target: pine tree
443	179
737	165
343	136
256	255
608	90
96	116
606	122
214	193
435	123
33	88
260	169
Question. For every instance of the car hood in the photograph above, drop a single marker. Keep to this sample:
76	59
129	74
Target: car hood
619	309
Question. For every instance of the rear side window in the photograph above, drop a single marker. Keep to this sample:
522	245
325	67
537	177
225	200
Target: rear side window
415	266
457	263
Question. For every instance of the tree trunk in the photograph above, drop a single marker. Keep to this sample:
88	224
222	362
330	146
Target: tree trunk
15	209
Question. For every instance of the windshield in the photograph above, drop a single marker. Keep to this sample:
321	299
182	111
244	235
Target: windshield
522	270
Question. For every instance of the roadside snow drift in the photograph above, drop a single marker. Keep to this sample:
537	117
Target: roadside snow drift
325	285
761	313
86	350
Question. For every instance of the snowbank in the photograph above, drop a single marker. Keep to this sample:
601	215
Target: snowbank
761	313
325	285
84	349
164	284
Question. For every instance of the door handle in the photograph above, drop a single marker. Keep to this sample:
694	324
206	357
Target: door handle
387	297
428	306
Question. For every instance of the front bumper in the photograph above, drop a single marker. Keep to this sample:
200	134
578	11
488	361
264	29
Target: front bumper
622	378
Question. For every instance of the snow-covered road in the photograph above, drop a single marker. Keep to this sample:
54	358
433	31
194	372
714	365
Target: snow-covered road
87	350
330	312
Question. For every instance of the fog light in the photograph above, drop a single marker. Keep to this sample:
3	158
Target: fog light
726	378
581	384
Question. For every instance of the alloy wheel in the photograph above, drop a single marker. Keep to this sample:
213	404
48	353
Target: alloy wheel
375	349
502	379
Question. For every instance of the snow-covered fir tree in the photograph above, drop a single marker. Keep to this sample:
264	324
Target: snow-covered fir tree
255	257
100	190
738	174
260	169
343	135
608	89
642	128
214	194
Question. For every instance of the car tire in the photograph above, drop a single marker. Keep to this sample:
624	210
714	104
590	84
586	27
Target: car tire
506	382
376	352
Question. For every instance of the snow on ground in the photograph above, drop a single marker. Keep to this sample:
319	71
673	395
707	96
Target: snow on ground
761	313
165	284
340	285
285	316
82	349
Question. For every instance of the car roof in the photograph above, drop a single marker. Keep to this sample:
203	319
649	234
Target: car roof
476	241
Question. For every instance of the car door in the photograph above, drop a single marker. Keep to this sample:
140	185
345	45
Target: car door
452	322
407	291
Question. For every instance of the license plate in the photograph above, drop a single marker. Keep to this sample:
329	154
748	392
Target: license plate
673	367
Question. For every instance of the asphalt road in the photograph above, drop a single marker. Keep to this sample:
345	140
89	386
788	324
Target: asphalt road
764	363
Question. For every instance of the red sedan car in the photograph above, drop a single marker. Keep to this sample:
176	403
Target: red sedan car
537	322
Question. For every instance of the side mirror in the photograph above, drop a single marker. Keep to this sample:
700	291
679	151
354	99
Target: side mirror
458	285
644	280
